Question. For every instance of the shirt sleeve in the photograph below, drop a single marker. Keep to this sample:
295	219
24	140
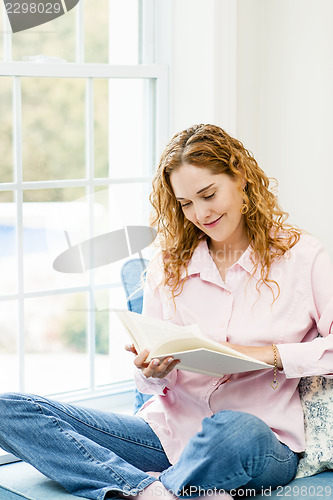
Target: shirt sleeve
315	357
152	306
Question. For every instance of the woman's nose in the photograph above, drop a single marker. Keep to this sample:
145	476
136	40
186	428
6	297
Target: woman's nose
202	213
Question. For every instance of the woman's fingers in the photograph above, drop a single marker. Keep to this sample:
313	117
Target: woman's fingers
140	359
154	368
160	368
131	348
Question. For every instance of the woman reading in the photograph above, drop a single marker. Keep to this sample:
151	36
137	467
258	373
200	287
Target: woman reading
228	261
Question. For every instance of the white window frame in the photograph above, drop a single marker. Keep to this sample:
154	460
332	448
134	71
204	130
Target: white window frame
155	19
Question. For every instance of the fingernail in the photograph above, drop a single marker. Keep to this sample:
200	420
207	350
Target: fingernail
156	362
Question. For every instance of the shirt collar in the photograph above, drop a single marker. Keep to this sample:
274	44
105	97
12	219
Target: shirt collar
246	262
202	263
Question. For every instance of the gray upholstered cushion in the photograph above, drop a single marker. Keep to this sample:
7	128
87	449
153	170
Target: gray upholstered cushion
20	480
306	488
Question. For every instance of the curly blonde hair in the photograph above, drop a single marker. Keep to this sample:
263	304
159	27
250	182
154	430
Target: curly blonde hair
210	147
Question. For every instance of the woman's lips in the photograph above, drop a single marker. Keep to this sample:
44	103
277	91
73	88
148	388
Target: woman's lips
214	223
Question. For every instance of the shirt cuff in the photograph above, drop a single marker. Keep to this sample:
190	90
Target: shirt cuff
308	358
154	385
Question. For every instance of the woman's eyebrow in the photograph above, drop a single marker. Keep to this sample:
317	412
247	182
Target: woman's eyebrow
205	188
199	192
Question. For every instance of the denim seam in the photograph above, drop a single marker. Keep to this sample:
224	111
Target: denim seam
269	455
87	453
100	429
240	475
276	459
213	486
81	447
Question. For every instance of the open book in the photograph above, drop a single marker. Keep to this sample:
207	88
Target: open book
186	343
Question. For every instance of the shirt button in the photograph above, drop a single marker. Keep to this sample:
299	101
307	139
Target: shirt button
215	382
300	370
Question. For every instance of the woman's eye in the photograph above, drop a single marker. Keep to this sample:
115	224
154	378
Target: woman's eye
210	196
185	204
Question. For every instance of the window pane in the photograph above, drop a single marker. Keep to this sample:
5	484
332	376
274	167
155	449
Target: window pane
128	128
118	206
6	196
96	17
53	128
56	344
101	127
53	195
133	202
8	346
6	127
45	239
113	363
124	32
8	247
55	39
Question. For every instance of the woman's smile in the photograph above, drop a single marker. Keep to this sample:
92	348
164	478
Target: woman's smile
212	224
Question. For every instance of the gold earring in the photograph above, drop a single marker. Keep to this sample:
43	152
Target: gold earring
244	209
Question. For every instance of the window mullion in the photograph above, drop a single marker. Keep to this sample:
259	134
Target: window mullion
90	173
149	125
162	112
17	153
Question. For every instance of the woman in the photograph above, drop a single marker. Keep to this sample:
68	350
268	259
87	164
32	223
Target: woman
229	262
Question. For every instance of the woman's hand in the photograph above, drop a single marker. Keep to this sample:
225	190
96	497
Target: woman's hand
155	368
262	353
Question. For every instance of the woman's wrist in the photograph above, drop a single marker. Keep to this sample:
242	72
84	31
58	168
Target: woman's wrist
262	353
271	356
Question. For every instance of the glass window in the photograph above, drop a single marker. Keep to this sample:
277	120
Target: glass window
80	123
53	128
56	343
9	360
124	19
8	247
54	40
96	31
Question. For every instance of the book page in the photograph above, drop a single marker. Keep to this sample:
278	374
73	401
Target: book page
153	333
164	337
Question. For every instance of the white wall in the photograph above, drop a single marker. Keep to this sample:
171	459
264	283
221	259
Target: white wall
204	42
285	103
263	70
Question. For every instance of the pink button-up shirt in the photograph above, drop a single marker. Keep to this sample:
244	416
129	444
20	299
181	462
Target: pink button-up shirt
232	310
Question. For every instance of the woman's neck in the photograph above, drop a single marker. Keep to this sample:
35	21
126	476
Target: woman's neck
225	255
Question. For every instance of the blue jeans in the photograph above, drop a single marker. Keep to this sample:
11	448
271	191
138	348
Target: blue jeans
96	454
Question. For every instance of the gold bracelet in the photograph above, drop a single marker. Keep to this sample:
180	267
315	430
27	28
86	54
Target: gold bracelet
275	383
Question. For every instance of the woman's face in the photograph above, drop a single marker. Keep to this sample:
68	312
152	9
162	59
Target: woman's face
212	202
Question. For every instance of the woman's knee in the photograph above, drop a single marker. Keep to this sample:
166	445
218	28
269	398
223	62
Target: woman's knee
236	430
10	398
